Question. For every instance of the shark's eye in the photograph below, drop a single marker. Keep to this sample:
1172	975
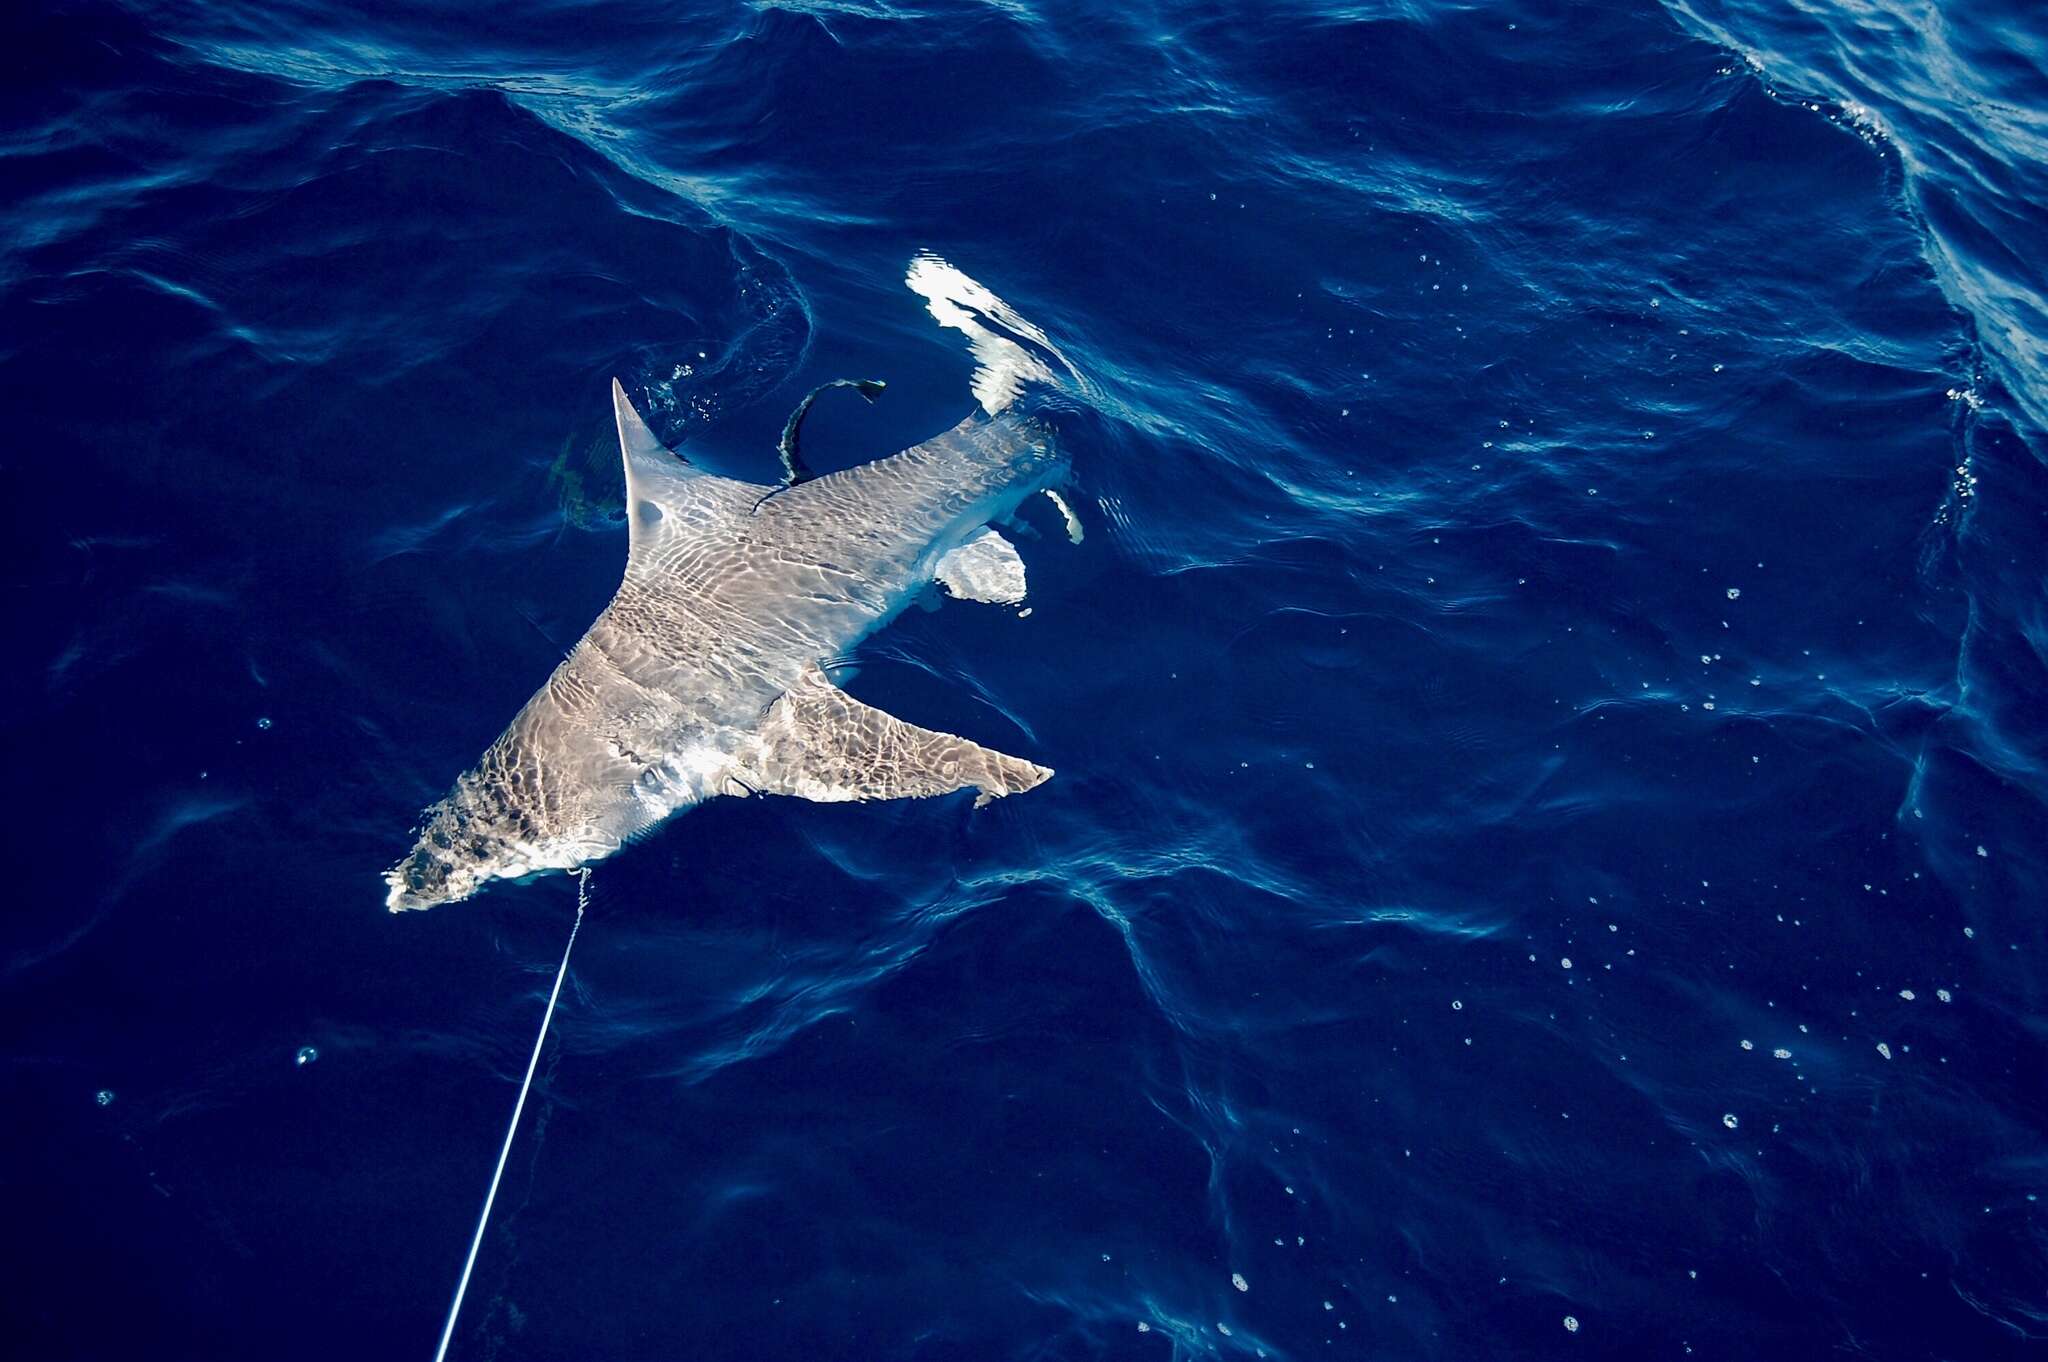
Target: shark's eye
650	514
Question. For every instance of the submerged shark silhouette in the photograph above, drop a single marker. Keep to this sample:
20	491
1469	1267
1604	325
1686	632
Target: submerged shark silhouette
704	675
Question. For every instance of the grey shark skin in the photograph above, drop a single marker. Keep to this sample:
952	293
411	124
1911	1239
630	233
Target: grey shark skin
703	675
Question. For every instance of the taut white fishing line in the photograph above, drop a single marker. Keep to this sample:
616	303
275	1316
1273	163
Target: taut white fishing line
533	1062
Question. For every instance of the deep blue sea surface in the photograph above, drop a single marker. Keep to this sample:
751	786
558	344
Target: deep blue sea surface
1550	841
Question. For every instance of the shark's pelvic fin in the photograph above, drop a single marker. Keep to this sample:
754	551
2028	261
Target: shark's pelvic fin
820	743
985	568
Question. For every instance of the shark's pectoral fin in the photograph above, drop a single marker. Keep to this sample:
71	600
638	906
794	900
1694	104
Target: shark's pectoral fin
819	743
985	568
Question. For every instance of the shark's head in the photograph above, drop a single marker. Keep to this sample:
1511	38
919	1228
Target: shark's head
429	877
461	847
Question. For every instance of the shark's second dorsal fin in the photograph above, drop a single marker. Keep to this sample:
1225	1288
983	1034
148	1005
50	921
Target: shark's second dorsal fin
820	743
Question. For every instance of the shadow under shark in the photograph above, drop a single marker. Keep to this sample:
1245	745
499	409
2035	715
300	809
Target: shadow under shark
704	675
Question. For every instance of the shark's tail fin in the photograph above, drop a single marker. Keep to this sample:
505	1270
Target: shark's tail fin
1009	352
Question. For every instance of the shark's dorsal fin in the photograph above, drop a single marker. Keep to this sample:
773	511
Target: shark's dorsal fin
649	463
820	743
666	498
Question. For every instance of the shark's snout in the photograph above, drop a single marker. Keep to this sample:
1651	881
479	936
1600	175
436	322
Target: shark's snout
426	878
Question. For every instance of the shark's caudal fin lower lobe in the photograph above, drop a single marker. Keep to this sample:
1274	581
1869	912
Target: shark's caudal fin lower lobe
1010	353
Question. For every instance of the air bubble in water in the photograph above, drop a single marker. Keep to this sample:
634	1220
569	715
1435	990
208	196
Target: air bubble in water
307	1054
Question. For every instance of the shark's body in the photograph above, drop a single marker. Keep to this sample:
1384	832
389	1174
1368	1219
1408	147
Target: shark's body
703	676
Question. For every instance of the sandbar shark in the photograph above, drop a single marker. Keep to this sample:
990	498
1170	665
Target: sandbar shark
705	675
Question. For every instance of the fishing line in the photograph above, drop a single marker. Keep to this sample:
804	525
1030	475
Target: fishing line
582	902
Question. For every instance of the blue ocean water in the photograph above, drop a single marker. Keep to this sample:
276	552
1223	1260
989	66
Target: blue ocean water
1547	858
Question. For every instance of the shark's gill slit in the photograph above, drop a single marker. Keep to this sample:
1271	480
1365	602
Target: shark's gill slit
518	1108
